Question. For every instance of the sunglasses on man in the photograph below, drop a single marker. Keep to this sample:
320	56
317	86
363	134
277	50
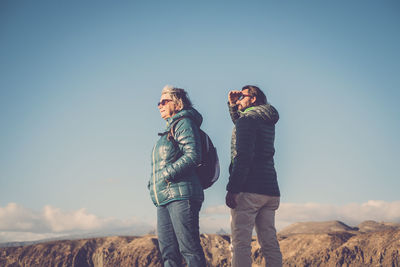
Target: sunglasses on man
242	96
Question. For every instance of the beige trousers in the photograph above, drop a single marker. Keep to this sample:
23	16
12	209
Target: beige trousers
259	211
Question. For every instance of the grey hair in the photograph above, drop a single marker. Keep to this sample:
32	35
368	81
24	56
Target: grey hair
178	95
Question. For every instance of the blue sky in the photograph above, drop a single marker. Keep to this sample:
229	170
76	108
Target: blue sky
79	83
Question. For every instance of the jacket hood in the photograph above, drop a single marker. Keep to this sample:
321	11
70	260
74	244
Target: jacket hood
267	112
191	113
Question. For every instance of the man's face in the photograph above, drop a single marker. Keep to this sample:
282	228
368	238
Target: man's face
166	106
245	100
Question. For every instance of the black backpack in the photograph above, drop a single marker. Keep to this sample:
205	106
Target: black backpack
208	169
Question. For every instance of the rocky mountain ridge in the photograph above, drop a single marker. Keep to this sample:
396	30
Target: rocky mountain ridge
303	244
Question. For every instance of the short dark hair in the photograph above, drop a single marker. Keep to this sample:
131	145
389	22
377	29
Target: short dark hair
257	93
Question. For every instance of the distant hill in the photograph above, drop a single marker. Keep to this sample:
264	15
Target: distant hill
316	228
304	244
372	226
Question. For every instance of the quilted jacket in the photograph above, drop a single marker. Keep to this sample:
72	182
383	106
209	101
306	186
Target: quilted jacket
173	175
252	150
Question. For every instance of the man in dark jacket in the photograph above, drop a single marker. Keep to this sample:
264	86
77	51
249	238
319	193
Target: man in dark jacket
253	193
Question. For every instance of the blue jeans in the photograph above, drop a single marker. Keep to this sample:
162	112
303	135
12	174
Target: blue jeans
178	231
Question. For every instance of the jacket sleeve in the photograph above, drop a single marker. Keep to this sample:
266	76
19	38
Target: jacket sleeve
187	136
233	111
245	146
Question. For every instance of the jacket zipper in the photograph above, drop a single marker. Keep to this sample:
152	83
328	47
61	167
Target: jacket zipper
154	176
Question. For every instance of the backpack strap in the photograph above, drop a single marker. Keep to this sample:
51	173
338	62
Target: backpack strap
171	132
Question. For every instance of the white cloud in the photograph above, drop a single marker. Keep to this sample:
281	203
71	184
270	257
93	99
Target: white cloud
215	210
21	224
352	213
60	221
217	217
14	217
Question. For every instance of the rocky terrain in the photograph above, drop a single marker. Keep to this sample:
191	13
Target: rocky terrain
302	244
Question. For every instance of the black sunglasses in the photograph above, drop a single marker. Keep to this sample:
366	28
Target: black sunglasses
243	96
163	102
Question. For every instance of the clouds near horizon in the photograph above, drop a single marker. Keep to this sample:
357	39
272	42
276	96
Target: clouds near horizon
18	223
288	213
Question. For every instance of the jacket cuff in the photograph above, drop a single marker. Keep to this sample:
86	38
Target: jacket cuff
234	108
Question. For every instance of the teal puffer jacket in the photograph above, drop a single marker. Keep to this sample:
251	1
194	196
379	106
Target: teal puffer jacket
173	175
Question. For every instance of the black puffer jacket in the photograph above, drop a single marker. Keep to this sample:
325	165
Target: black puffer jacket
252	150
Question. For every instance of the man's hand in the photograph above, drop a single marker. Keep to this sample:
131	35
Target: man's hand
233	97
230	200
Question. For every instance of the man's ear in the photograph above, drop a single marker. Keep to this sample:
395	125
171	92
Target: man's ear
253	99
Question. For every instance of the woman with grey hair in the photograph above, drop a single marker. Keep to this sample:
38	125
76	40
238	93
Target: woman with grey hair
174	185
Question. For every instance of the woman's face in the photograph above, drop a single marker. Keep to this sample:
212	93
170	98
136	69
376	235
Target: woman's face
166	106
